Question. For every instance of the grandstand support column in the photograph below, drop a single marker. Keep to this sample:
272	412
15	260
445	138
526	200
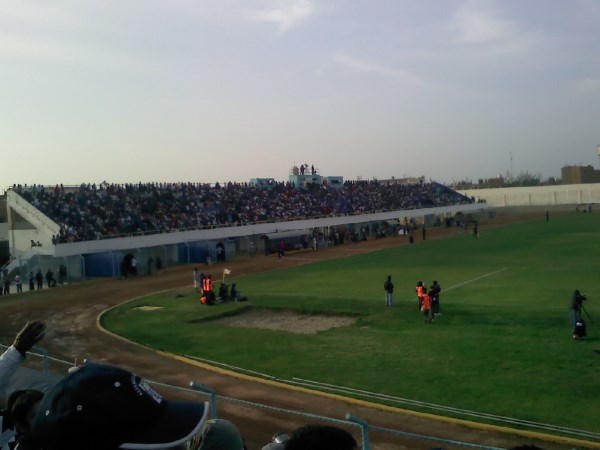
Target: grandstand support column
82	268
112	258
187	246
165	261
529	198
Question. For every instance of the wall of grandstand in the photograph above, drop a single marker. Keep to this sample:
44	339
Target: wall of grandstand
571	194
20	209
103	258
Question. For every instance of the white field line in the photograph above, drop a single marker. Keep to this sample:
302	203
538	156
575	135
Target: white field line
475	279
301	294
439	408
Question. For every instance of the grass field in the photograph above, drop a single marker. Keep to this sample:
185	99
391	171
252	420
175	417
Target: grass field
502	345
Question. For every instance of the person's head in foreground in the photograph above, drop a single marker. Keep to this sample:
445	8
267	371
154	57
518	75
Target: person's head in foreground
100	407
320	437
22	406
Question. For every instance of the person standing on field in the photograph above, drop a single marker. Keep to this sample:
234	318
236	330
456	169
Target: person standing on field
435	298
576	305
389	291
426	307
421	291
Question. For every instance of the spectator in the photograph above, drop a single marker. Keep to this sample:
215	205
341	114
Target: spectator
100	407
150	263
6	284
25	385
92	212
39	279
31	280
19	283
320	437
50	281
220	434
26	338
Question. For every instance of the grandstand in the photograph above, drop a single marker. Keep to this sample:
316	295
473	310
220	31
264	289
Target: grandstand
91	229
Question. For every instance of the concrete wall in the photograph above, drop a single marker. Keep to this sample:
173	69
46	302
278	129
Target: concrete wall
571	194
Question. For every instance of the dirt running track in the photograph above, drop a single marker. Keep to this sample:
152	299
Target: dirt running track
71	314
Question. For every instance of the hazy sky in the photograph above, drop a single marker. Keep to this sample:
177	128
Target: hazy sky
228	90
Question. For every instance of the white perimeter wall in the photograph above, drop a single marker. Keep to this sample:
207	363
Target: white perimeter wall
79	248
569	194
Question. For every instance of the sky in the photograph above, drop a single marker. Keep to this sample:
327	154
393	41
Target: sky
229	90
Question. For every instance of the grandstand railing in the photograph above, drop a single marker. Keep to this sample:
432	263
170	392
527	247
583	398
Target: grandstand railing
348	421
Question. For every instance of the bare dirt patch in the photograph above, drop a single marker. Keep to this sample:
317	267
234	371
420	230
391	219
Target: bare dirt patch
148	308
285	321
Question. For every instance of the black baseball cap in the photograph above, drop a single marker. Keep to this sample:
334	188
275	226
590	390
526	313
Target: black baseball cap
107	407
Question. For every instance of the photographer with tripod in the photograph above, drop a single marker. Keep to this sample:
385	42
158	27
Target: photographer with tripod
577	300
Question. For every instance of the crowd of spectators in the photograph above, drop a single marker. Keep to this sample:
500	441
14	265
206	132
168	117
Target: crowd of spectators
93	211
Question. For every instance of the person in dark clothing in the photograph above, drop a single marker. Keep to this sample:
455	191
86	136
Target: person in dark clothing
320	437
150	263
6	283
388	286
62	274
39	279
576	304
435	290
50	278
31	281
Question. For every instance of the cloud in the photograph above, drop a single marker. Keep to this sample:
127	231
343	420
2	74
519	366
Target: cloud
370	67
479	22
286	14
588	86
367	66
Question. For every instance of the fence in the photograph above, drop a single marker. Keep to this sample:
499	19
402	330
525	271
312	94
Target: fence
357	426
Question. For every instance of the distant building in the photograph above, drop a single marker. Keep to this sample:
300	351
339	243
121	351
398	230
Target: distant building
406	180
579	175
491	182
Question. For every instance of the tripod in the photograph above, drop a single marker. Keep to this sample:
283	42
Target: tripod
587	314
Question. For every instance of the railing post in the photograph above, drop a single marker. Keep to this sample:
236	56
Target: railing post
211	392
364	426
44	354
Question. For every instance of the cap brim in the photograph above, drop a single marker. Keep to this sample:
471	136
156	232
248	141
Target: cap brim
180	422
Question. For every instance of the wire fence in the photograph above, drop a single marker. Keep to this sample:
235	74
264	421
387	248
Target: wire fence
45	363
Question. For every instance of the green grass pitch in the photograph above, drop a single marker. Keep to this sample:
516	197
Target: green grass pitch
502	345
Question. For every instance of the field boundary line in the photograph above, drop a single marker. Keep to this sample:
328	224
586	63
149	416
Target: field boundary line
460	411
472	280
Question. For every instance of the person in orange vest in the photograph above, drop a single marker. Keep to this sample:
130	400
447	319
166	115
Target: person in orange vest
207	284
207	296
426	307
421	291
